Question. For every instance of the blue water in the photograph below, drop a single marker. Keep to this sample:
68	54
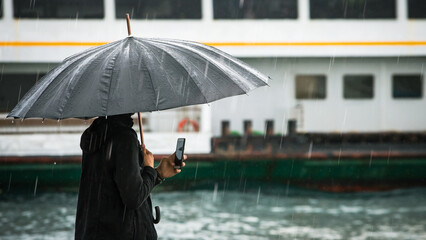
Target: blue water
260	212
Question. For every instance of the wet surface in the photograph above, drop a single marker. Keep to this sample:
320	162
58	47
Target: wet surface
255	212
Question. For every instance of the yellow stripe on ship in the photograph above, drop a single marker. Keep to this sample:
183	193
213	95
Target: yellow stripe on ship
224	44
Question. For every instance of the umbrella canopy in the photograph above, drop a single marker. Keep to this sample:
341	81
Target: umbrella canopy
137	75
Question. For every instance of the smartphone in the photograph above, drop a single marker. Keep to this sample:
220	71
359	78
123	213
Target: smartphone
180	148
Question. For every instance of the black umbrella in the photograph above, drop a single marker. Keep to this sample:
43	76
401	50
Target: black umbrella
137	75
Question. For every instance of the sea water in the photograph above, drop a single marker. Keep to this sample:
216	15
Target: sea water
215	212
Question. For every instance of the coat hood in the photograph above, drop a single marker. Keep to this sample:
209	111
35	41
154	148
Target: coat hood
96	135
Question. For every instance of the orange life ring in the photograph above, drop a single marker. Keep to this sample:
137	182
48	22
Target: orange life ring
186	121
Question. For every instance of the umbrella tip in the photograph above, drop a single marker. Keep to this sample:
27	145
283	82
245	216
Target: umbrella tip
128	24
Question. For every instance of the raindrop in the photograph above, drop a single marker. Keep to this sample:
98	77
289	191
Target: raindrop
206	69
35	186
162	57
345	11
292	165
109	151
371	158
284	79
287	188
19	94
340	153
13	121
196	171
389	152
275	63
344	121
131	13
258	196
241	3
76	18
310	149
54	163
216	185
365	7
42	121
224	187
283	125
32	4
124	213
158	99
10	181
37	76
330	65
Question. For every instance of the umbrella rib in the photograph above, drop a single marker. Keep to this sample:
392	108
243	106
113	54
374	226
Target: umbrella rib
72	60
208	59
236	61
196	82
89	61
150	77
47	85
179	65
200	48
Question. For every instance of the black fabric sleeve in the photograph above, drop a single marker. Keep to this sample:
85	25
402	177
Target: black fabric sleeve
134	185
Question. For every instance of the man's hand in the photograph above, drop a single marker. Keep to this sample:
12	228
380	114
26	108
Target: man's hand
166	168
147	157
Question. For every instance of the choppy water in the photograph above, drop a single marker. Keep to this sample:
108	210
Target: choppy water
257	213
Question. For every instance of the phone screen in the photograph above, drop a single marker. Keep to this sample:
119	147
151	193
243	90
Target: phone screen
180	148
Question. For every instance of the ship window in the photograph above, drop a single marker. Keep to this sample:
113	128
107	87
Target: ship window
358	87
13	87
158	9
407	86
254	9
58	9
416	9
310	87
352	9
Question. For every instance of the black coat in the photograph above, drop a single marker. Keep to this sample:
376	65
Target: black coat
114	195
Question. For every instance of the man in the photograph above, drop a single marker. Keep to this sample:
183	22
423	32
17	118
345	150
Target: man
116	181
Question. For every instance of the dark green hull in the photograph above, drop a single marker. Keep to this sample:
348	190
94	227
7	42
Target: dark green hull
338	175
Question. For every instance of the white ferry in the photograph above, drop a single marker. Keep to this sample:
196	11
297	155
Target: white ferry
336	66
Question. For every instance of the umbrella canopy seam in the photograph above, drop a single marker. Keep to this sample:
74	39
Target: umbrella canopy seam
208	59
199	70
61	109
194	45
154	87
186	70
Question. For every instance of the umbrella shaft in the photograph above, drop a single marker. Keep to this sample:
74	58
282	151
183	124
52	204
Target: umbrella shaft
140	127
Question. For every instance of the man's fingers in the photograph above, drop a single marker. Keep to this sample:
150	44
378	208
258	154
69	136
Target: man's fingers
185	157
